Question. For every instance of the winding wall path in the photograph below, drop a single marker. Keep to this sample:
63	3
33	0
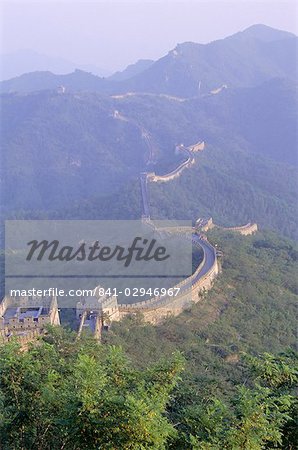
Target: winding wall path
155	309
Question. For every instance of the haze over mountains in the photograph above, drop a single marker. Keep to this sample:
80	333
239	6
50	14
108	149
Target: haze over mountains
79	154
23	61
132	70
245	59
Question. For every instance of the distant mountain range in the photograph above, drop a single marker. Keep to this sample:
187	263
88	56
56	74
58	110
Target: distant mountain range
245	59
79	154
23	61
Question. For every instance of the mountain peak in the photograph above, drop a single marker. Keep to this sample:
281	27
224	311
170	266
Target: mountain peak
264	33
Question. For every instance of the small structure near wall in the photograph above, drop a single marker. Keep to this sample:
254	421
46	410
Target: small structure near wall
61	89
203	224
97	312
26	317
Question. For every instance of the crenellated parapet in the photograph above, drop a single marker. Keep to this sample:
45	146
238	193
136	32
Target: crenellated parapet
157	308
153	177
187	151
23	317
245	230
207	224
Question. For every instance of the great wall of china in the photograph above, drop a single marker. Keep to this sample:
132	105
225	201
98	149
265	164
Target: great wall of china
187	151
245	230
157	309
27	317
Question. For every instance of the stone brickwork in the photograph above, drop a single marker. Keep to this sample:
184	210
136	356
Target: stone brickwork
156	309
207	224
97	312
245	230
199	146
26	317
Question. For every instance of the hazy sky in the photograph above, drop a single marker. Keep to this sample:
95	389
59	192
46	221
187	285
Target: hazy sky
112	34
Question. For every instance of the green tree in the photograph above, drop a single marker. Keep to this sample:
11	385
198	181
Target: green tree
259	416
77	394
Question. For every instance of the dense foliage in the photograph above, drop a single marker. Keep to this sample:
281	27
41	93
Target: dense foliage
250	309
62	393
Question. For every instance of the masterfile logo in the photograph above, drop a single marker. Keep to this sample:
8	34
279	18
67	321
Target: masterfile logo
96	250
140	249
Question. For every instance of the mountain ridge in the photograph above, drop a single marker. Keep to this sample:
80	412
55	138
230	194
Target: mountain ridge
81	154
189	69
23	61
131	70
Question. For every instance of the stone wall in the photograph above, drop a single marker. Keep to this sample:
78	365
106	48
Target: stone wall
207	224
245	230
110	309
27	326
54	312
197	147
23	338
158	312
171	175
156	309
3	306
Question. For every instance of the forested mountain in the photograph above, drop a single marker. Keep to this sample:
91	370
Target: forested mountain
249	310
81	154
60	148
23	61
245	59
41	80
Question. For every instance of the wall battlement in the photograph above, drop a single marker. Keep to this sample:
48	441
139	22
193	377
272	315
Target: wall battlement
157	308
188	151
27	316
155	311
245	230
207	224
